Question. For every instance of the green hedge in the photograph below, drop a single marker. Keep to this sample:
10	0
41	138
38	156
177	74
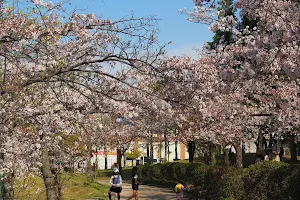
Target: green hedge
263	181
1	190
126	173
272	180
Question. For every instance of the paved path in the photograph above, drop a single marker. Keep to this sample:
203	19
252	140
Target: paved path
147	192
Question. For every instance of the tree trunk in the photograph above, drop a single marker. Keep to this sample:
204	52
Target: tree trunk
293	148
124	157
9	186
58	183
212	154
191	150
239	154
166	149
89	169
279	144
148	153
160	149
72	165
119	160
52	192
226	156
176	151
298	148
105	155
260	142
213	160
151	151
96	160
2	189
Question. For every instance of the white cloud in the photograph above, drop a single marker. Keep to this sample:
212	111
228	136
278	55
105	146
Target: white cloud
189	50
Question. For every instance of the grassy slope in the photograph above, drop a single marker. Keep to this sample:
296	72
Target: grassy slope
74	187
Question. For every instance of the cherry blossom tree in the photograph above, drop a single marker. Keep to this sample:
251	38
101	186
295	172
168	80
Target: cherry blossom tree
259	68
54	74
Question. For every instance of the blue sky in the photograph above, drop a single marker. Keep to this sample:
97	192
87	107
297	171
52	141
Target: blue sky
173	26
185	35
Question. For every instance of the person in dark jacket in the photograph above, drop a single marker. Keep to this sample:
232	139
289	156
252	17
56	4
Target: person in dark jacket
135	182
281	153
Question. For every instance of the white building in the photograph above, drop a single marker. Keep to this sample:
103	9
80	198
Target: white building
158	153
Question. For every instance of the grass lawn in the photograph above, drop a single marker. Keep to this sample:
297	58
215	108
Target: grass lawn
74	187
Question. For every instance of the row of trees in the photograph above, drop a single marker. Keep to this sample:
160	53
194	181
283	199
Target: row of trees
244	80
256	67
56	83
55	76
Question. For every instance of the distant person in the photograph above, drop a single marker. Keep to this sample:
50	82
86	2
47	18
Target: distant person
272	147
267	156
116	184
179	191
114	165
276	157
274	151
264	142
135	182
260	157
281	153
231	157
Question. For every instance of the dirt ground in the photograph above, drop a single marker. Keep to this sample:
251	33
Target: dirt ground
147	192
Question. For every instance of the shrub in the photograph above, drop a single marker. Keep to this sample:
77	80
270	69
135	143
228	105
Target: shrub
257	182
290	182
266	180
196	173
156	172
272	180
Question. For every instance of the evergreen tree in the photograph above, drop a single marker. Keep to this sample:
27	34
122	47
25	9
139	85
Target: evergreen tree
224	37
246	21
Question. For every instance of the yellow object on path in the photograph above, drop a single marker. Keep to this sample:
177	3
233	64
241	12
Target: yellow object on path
178	187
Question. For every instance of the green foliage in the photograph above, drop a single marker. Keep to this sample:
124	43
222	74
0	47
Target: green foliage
155	86
271	180
262	181
286	151
223	183
1	188
133	154
246	21
104	173
224	37
126	173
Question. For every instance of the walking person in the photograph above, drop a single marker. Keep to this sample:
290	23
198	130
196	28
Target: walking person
260	156
135	184
281	153
267	155
179	191
116	184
